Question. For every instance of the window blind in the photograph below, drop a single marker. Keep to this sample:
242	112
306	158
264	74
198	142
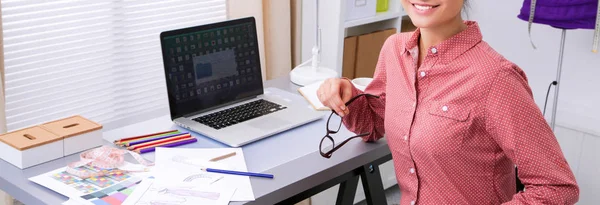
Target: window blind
98	59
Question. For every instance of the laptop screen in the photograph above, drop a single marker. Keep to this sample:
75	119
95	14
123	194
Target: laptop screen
211	65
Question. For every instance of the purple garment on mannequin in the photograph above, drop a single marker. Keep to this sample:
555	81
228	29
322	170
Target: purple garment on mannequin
567	14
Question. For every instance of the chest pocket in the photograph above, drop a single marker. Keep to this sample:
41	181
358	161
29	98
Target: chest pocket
451	111
448	126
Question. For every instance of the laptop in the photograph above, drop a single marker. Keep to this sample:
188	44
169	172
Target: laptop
215	87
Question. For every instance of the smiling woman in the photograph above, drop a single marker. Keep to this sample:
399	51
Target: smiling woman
457	116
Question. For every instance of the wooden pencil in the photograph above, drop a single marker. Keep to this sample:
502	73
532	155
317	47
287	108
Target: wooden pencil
222	157
147	137
142	136
167	144
147	144
125	143
153	138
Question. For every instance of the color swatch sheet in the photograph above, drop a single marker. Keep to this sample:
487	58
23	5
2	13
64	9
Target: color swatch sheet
110	189
114	195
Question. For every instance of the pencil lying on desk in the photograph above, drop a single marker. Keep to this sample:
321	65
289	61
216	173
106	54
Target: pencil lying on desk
238	173
128	143
154	138
151	143
176	143
142	136
222	157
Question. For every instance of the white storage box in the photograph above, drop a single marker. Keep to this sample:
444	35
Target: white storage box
357	9
30	146
78	133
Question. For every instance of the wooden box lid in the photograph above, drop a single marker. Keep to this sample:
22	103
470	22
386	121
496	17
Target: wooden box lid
71	126
29	138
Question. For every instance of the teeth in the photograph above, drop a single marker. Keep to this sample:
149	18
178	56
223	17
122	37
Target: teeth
423	8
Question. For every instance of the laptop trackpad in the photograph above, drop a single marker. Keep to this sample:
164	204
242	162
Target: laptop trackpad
269	123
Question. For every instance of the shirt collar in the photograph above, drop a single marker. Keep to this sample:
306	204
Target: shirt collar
453	47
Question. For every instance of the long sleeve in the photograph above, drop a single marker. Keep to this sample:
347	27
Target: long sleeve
519	128
367	114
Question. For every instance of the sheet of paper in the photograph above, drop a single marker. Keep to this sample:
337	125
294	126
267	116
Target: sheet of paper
180	165
149	193
116	185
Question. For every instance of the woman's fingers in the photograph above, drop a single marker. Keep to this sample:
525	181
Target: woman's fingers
321	92
346	90
332	94
338	106
335	100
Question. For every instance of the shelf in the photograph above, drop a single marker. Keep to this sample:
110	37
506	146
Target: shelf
381	16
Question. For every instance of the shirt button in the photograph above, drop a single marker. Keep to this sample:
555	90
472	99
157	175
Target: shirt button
412	202
422	73
412	170
445	108
414	104
405	137
434	50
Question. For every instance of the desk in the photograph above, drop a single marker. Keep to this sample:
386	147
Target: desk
292	156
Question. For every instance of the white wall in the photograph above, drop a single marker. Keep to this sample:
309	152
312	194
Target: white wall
579	95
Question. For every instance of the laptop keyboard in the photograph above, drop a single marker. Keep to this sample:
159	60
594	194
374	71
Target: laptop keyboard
240	113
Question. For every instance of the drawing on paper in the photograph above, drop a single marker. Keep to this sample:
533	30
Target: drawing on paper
191	174
150	193
186	160
185	192
203	178
187	164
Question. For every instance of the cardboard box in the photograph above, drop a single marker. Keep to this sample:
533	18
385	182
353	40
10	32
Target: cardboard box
357	9
367	52
30	146
78	133
349	59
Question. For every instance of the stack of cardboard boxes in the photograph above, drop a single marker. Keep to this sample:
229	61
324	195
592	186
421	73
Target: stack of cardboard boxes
362	52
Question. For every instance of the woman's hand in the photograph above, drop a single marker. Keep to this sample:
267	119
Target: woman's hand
334	93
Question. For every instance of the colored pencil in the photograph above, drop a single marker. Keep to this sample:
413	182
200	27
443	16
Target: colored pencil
147	144
238	173
167	144
158	141
142	136
125	143
222	157
159	137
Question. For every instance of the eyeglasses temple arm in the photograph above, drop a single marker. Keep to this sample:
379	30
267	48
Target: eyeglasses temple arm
344	142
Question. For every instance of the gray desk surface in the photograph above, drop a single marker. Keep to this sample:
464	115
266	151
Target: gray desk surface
292	156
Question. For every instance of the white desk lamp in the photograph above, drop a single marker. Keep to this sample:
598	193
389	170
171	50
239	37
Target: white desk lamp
303	74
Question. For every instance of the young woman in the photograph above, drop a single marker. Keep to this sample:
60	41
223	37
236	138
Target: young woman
457	116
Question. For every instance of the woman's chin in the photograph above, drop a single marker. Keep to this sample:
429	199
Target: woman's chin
422	23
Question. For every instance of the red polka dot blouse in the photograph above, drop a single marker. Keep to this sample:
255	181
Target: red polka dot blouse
457	125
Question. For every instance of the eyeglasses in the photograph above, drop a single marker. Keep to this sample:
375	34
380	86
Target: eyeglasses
327	145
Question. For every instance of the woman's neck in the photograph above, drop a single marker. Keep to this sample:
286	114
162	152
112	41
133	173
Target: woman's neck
433	36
